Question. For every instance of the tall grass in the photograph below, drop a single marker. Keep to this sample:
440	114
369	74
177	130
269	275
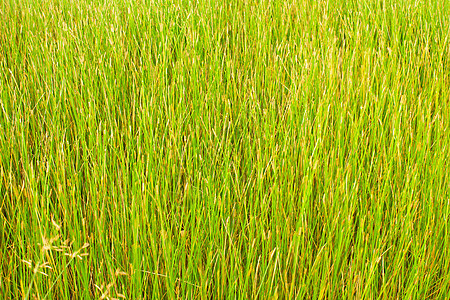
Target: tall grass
224	149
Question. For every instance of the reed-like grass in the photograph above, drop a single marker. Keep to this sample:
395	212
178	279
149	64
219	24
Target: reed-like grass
224	149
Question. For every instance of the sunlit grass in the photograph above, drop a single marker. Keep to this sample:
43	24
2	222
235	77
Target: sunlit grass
214	149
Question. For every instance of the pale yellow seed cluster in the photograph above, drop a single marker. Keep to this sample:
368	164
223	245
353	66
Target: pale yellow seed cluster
48	245
106	292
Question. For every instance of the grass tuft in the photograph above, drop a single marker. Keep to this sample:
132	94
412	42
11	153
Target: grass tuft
242	149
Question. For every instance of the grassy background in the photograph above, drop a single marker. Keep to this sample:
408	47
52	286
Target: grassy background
224	149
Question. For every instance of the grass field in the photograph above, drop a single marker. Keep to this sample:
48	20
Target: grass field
243	149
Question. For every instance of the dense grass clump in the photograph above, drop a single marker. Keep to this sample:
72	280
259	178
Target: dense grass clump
224	149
